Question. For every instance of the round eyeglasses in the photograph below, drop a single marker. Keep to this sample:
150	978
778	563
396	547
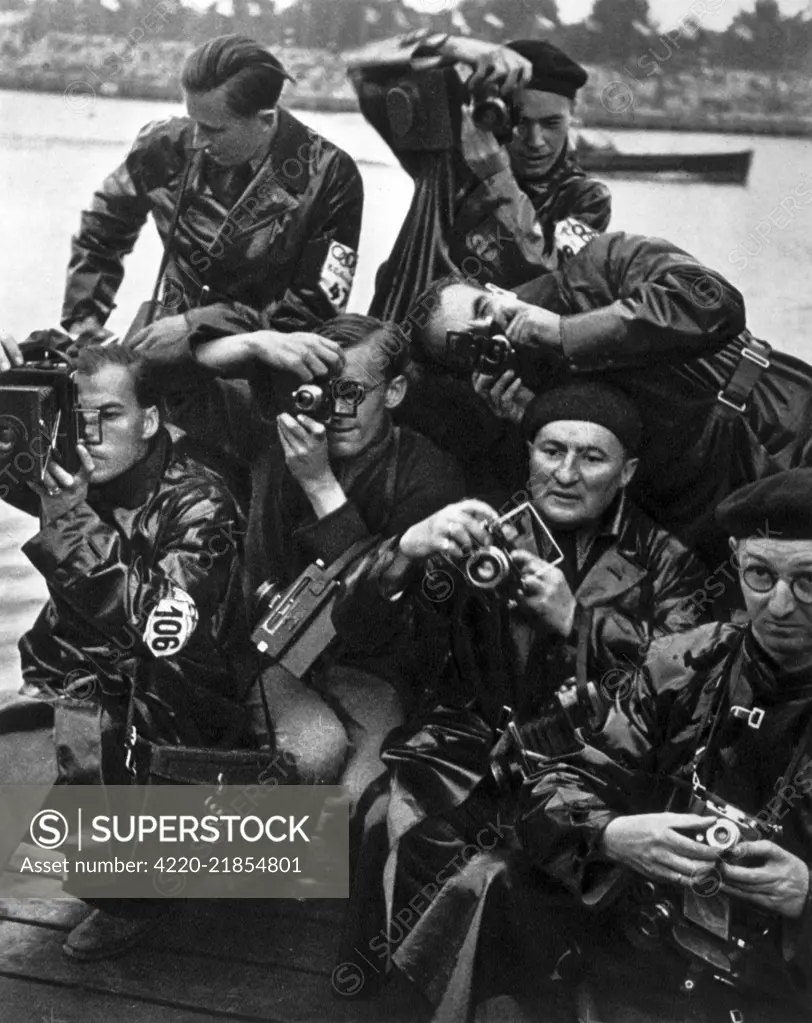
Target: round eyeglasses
761	580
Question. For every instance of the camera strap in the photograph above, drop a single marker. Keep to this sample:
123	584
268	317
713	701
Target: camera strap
149	315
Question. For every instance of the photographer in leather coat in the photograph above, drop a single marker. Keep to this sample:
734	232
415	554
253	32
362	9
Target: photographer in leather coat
260	214
622	582
719	716
719	407
318	488
142	531
518	192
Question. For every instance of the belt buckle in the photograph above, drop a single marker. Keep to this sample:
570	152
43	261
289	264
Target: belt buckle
754	356
730	404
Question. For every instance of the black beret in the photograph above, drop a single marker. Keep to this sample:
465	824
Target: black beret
553	70
778	506
590	403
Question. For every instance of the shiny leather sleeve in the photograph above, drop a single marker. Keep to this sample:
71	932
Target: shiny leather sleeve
334	228
108	231
628	299
568	803
85	563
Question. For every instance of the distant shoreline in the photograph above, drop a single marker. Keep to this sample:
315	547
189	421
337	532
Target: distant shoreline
775	125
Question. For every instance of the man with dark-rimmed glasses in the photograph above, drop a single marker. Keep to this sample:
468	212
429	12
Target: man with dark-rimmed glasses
320	484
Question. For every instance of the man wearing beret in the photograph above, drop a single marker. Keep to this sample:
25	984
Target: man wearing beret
589	618
519	192
720	408
691	920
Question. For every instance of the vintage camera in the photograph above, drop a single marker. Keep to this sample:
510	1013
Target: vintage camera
488	353
39	414
326	400
491	113
491	566
295	623
733	825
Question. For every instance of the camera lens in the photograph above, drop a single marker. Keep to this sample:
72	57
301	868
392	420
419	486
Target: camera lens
488	568
492	115
308	397
723	835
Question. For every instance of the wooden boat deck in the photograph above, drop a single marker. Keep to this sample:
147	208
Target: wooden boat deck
268	960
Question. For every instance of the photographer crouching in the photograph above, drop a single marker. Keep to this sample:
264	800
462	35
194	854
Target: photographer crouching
311	415
684	825
140	548
549	612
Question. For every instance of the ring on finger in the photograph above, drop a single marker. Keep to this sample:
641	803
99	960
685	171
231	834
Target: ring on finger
53	493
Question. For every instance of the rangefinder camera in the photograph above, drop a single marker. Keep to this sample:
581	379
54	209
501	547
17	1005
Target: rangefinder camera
491	566
325	400
40	418
733	825
487	353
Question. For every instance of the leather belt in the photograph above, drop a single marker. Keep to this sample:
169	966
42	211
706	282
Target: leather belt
755	358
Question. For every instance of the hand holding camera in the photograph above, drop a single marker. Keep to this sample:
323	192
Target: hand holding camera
660	847
545	592
779	884
504	395
304	442
453	531
307	356
60	491
10	354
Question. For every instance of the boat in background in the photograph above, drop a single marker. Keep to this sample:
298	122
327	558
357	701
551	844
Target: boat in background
599	155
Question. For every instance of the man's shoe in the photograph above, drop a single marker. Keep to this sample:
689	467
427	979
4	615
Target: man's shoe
103	936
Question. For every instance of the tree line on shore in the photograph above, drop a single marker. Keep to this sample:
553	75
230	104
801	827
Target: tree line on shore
616	33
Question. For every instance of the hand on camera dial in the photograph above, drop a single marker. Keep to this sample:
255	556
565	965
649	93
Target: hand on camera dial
652	844
60	492
545	592
10	354
455	531
534	327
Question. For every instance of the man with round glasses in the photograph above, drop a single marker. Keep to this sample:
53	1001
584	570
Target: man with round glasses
320	483
717	724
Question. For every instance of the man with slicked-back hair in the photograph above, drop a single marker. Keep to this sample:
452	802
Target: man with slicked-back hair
266	212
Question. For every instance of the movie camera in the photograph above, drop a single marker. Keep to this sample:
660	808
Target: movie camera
490	566
325	400
40	417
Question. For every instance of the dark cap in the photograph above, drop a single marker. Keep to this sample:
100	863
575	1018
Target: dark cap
589	403
553	70
778	507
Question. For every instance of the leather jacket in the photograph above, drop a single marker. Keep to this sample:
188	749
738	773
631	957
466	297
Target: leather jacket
282	256
164	540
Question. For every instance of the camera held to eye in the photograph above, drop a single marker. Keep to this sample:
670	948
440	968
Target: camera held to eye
491	566
40	418
491	113
325	400
480	351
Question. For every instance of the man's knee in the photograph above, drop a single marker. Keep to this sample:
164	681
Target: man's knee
319	744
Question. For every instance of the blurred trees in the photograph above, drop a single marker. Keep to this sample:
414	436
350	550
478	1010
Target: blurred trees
617	32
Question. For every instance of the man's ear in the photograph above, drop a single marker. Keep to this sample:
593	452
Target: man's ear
152	420
396	391
628	471
268	117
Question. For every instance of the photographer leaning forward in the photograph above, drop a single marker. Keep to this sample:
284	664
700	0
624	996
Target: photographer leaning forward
320	484
683	920
258	215
518	192
587	620
720	408
141	532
